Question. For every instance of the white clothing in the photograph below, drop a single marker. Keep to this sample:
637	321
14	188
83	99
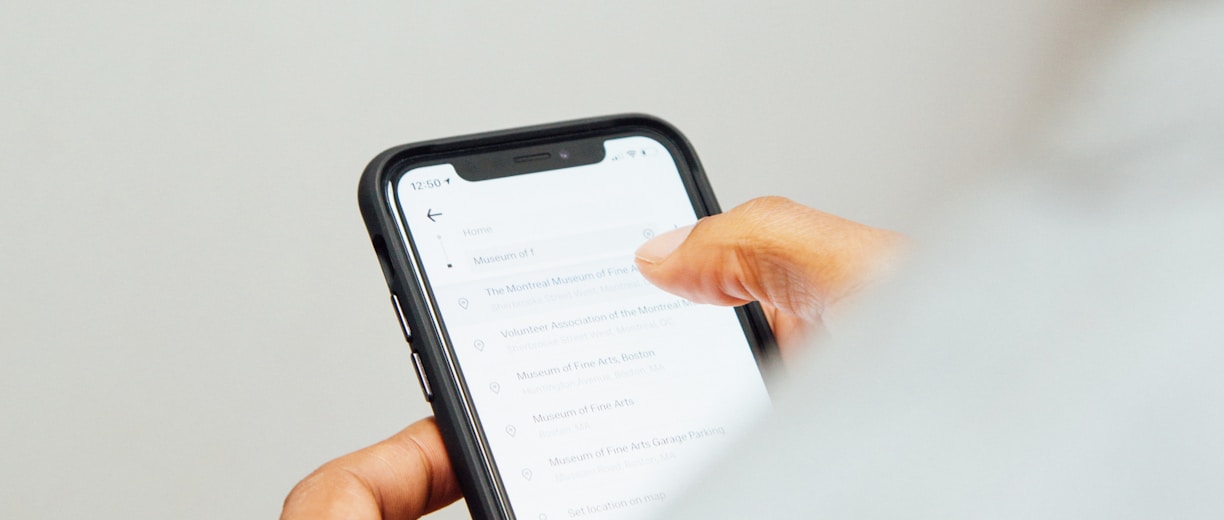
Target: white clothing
1056	347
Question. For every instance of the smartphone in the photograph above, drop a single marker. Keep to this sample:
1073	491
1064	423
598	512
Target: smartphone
564	384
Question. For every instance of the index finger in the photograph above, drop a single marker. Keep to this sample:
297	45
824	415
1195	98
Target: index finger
405	476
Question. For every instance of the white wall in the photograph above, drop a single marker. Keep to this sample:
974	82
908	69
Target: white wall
191	317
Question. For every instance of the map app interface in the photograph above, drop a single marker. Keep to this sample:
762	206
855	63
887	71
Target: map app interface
600	396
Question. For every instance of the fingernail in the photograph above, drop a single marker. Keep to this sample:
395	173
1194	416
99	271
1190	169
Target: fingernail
657	249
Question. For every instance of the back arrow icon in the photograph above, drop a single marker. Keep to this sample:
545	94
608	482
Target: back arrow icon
430	213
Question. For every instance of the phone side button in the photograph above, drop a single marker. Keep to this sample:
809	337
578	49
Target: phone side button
420	371
399	314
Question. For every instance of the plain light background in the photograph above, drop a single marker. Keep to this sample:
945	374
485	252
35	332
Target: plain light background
191	316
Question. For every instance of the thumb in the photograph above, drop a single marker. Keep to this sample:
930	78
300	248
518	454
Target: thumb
787	256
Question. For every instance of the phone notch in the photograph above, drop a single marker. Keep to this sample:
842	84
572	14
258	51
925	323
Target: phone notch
530	159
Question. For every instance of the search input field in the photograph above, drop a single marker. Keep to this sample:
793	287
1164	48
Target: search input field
568	249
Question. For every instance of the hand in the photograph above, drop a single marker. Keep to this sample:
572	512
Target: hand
793	259
797	261
403	477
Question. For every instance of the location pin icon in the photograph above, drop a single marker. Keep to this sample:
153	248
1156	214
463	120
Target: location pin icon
511	430
527	474
479	344
463	302
496	388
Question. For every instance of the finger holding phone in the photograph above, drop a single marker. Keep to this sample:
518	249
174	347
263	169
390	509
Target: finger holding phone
566	385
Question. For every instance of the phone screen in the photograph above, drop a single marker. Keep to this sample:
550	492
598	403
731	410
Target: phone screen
598	394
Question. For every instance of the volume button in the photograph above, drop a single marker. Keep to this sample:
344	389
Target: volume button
420	370
399	314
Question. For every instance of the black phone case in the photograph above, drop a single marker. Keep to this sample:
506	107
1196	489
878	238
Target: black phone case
463	442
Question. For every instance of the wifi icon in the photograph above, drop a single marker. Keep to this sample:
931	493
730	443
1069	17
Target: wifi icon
631	153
